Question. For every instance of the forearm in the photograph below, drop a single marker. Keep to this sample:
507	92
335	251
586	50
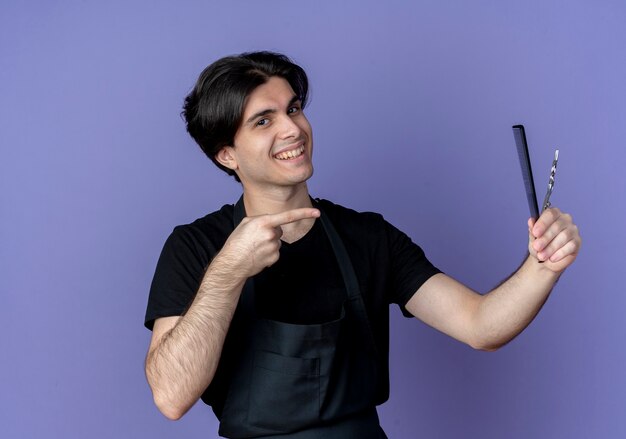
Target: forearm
182	363
505	311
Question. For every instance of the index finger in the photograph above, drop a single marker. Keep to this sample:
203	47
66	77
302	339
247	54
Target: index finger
294	215
542	224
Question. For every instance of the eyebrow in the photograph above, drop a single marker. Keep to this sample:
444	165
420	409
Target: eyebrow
293	100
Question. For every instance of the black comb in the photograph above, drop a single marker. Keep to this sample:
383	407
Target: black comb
527	171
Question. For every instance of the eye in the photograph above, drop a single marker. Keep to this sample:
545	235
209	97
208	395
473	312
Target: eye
263	121
293	110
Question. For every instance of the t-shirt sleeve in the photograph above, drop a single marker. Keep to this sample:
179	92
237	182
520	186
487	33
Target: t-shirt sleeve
409	267
177	276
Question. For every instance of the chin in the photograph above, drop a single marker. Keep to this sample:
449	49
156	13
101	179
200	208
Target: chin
307	175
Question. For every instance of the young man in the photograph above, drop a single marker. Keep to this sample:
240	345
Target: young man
275	310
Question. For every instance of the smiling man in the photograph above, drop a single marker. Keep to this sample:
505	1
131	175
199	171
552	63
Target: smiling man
274	310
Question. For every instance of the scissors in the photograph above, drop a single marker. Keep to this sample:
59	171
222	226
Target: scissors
546	200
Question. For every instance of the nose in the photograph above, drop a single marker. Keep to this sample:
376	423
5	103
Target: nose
288	128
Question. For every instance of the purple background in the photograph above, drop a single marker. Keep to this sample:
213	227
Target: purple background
412	107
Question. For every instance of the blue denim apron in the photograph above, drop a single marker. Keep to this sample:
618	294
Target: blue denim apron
283	380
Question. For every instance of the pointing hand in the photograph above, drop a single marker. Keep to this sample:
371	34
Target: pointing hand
255	242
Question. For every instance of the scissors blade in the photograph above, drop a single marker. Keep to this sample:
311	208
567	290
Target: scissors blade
546	200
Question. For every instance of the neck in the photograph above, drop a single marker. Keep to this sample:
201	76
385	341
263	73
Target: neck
258	202
277	201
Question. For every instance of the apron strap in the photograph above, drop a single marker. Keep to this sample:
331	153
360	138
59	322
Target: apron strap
345	265
239	212
349	276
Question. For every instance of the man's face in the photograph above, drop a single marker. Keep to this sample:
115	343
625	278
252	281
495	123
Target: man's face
274	144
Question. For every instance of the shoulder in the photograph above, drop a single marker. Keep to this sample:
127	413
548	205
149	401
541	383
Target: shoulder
365	229
363	232
206	233
346	218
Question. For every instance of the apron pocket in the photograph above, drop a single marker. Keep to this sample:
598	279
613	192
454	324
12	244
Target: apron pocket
284	392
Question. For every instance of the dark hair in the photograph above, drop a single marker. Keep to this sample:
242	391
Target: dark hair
213	110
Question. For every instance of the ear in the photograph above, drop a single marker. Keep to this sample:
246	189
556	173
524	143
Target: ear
226	157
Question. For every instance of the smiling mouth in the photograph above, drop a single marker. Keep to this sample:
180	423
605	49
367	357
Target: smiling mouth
288	155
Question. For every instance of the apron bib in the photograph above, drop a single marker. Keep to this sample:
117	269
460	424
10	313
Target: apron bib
286	380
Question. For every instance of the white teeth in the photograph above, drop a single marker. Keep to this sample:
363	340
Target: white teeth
290	154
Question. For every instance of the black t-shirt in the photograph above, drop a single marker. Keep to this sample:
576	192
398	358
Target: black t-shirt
302	287
305	286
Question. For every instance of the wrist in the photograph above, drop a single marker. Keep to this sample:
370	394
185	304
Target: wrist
540	269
